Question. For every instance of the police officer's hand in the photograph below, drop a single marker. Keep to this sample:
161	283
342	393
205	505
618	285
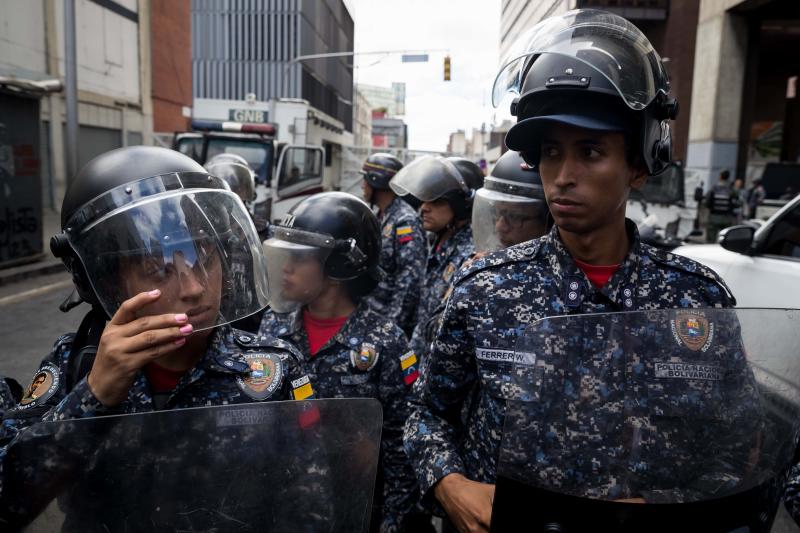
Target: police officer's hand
468	503
128	343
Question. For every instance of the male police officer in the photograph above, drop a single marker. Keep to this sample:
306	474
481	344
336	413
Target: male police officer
592	116
510	207
446	199
403	246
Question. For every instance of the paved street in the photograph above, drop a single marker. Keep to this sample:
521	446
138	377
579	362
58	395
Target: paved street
30	322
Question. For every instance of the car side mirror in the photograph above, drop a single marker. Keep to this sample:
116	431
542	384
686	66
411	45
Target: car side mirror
737	239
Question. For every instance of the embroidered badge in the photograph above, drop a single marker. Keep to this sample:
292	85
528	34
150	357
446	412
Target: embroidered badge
387	231
693	330
448	272
408	364
301	388
404	234
365	358
265	377
43	386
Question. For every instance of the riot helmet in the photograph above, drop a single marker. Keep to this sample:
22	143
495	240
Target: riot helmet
432	178
593	70
240	178
379	168
328	235
142	218
510	208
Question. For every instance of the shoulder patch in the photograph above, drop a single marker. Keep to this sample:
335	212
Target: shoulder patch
525	251
43	386
266	375
409	367
404	234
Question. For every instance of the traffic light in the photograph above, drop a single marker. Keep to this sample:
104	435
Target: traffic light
446	68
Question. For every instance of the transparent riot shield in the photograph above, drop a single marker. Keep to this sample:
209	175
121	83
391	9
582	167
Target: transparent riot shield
279	466
668	420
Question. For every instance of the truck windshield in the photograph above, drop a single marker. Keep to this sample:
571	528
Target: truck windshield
258	154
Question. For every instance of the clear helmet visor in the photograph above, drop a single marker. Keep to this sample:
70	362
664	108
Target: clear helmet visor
606	42
500	220
295	268
198	247
427	179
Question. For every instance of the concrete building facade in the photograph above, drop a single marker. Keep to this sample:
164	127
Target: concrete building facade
245	46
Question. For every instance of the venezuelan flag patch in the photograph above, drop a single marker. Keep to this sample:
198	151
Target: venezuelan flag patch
301	389
409	366
404	234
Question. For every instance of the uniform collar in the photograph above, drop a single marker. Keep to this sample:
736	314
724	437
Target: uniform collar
457	241
393	206
576	287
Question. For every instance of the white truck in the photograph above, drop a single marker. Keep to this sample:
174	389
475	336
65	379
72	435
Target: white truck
295	149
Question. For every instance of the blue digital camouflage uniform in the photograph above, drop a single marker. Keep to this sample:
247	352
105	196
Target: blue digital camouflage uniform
238	367
439	273
791	498
367	358
459	402
403	254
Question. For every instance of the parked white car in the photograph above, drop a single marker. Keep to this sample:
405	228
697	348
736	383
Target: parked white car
761	266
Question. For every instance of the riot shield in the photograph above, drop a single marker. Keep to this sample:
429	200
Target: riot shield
279	466
665	420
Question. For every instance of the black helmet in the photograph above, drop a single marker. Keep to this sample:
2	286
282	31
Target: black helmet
379	168
240	178
157	211
470	171
592	70
510	208
430	178
336	229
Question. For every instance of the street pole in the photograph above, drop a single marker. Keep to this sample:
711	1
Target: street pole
70	90
298	59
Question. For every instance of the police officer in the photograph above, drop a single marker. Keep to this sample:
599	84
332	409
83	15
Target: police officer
323	261
722	201
236	172
403	246
510	207
446	199
592	113
151	240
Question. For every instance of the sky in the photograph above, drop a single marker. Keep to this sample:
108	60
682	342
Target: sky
469	29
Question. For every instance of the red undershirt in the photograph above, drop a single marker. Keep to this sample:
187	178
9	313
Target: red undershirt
162	379
320	330
597	274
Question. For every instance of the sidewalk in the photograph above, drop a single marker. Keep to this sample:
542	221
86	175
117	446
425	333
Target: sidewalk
48	264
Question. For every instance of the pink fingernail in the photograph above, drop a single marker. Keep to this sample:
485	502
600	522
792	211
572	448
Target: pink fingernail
154	292
186	329
181	317
180	342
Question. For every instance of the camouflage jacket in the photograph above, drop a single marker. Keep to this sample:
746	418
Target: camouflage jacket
443	263
459	402
237	368
367	358
403	253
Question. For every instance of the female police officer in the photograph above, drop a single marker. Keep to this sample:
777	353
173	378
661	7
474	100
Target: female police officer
593	113
152	240
322	262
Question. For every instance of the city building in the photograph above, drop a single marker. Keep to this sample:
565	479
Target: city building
391	99
388	132
116	91
728	67
240	47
